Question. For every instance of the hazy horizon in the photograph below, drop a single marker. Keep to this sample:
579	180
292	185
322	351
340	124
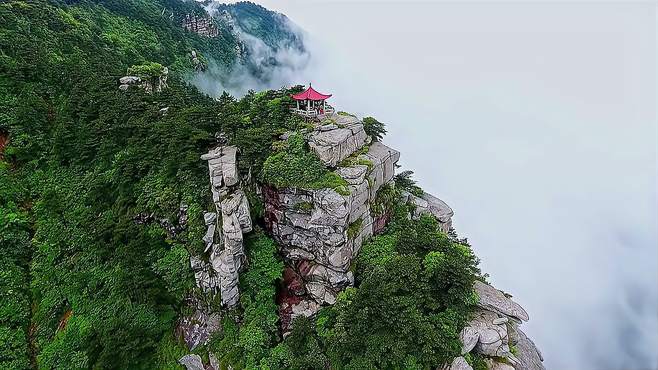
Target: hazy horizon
537	124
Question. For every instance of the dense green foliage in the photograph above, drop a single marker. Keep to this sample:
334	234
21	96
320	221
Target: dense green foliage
412	299
246	344
404	182
375	129
83	285
15	254
295	166
91	279
146	70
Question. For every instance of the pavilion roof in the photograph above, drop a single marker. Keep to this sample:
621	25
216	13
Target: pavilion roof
310	94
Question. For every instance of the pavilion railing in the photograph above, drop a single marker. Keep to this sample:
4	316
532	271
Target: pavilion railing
328	110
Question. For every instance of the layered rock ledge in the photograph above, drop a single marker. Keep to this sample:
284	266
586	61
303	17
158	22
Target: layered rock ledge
494	332
320	231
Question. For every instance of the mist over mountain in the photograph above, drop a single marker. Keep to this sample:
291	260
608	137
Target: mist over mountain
271	50
174	195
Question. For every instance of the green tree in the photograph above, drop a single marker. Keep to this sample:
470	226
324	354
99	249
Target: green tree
375	129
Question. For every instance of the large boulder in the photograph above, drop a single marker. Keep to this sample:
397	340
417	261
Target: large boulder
223	169
236	204
383	161
192	362
492	339
494	300
427	204
226	265
304	308
204	275
129	80
493	331
337	140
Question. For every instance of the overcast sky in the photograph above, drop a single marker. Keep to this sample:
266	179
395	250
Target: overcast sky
537	124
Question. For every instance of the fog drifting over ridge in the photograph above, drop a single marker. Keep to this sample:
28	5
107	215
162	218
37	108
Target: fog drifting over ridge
537	124
238	79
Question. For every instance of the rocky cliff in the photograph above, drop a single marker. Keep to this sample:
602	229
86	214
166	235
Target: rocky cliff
320	232
122	248
201	25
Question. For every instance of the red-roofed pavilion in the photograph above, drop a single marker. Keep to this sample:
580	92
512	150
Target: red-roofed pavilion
311	103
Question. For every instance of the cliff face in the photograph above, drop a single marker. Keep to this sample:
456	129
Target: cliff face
203	26
321	230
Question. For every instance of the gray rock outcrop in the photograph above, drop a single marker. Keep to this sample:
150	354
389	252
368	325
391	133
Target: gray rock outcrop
201	25
529	356
150	85
326	229
126	81
320	232
197	62
493	332
383	160
224	228
192	362
492	339
494	300
196	329
494	364
427	204
338	139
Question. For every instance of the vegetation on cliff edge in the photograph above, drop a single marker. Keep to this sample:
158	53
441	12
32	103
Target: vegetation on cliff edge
90	280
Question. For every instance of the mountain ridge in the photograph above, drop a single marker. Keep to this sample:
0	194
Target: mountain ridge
117	255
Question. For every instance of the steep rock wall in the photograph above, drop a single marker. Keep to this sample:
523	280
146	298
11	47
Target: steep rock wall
225	228
203	26
320	231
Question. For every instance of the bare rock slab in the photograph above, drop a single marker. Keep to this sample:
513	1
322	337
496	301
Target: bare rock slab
529	357
335	143
192	362
494	300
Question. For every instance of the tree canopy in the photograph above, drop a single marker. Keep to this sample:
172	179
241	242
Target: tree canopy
89	277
